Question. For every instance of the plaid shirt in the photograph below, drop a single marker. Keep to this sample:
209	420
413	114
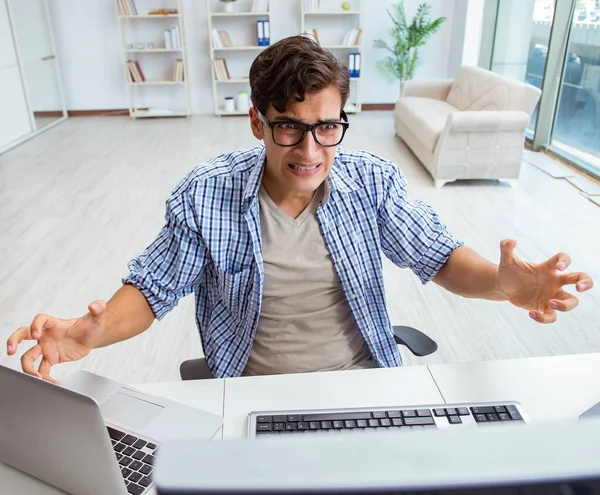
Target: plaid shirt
211	245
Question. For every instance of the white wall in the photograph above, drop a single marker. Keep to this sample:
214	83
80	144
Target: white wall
88	46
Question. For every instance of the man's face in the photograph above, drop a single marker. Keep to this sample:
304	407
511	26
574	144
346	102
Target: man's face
298	170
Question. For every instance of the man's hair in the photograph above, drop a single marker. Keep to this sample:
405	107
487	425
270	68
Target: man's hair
291	68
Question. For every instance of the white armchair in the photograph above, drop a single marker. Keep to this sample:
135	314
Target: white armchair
469	128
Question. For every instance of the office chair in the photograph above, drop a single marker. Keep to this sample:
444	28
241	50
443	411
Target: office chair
417	342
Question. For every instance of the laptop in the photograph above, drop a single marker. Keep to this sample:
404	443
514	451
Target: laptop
560	457
92	435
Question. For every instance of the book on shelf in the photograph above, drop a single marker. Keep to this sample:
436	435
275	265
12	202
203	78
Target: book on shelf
220	69
260	6
352	37
127	7
263	33
172	38
134	72
220	39
178	72
312	5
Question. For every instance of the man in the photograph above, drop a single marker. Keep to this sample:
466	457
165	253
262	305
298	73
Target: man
281	245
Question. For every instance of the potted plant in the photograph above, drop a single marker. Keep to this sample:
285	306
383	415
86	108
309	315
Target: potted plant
403	59
227	5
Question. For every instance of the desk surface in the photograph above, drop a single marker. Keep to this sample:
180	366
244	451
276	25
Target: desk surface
549	388
374	387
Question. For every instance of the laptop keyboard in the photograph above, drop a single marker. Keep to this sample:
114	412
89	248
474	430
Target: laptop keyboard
385	419
136	460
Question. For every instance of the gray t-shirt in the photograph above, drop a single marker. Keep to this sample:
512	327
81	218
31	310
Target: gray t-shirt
305	321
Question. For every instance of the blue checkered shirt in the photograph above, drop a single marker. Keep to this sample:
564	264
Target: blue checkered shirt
211	245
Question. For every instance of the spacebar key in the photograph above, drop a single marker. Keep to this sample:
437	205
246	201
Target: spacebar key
337	416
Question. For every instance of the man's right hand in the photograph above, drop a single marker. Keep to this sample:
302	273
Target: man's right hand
59	340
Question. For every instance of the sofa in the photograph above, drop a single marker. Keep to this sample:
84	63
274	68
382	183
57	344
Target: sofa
472	127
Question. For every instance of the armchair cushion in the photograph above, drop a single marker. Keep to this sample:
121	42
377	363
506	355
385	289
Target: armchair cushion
426	117
488	121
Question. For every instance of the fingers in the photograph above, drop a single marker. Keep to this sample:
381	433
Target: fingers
563	302
560	261
507	255
16	338
549	316
582	281
29	358
44	371
97	308
38	325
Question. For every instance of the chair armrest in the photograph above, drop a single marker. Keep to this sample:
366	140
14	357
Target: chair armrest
488	121
417	342
434	88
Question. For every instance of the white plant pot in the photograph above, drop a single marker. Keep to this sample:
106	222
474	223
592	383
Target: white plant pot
228	7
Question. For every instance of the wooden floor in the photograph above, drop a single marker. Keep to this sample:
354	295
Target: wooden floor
79	201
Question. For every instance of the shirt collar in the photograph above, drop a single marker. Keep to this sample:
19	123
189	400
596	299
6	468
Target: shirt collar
338	180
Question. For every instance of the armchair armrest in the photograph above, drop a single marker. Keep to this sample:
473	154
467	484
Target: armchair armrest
417	342
434	88
487	121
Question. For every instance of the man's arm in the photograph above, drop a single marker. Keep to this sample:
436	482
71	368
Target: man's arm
469	275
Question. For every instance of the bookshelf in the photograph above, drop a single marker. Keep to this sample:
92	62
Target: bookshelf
233	45
154	57
340	31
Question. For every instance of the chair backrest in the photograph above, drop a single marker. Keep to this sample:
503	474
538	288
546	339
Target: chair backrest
479	89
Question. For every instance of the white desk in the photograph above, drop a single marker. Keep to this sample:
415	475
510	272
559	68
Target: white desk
549	388
374	387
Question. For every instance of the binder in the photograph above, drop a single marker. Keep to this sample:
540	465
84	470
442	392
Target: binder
267	33
357	64
261	32
351	64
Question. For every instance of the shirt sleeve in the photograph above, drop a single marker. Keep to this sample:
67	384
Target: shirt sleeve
412	235
173	264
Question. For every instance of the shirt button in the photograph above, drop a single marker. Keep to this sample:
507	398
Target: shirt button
354	295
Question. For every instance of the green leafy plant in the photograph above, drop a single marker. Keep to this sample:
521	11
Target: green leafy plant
403	59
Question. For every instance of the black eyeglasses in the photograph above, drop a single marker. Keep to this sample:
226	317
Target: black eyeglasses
292	133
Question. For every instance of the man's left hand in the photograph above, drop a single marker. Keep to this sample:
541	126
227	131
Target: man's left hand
539	287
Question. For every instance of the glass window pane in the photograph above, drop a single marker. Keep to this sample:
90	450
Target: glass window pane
576	131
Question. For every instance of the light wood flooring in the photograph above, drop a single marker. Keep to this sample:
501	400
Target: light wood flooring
79	201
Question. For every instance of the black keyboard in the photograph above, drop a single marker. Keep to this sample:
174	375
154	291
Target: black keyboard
136	459
383	419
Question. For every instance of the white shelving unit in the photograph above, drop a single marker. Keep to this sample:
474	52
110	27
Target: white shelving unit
158	95
242	29
332	23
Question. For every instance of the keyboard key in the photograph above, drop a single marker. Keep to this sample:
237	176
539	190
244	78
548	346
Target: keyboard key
146	469
480	418
374	423
151	446
514	413
302	426
492	417
338	425
379	414
149	459
264	427
500	409
409	413
115	434
129	439
135	465
119	447
385	422
145	481
140	444
119	456
337	416
293	418
423	413
126	472
463	411
263	419
139	455
125	461
129	451
362	423
135	477
326	425
454	420
350	424
114	442
397	422
291	426
278	426
135	489
439	412
418	421
394	414
504	417
279	418
451	411
482	410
